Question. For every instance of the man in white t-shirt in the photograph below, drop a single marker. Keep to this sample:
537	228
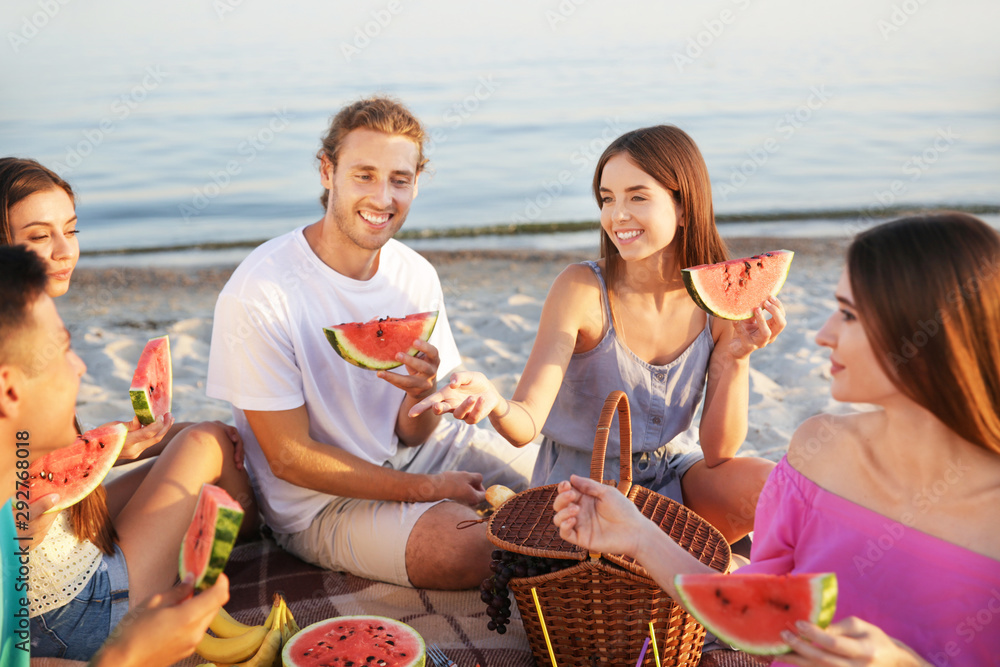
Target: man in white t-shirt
347	480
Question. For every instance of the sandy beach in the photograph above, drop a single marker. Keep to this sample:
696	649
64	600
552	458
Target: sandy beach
494	300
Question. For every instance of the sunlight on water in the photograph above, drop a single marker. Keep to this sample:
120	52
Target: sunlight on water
199	120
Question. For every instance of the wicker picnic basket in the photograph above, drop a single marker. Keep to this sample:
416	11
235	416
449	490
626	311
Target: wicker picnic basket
598	611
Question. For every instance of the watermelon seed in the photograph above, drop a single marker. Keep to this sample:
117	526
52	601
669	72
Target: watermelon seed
50	477
390	642
378	333
369	658
343	637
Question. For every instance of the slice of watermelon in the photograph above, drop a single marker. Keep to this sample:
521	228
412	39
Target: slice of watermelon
152	385
374	344
749	611
74	471
210	537
732	289
357	640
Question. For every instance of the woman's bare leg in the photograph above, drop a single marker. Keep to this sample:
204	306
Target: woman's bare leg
153	522
726	495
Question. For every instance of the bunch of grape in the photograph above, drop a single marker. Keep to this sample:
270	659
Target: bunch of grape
508	565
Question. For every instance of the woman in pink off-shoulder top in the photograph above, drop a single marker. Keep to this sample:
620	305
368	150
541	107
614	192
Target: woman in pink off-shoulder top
901	502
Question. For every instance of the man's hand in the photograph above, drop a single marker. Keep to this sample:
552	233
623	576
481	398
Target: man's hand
38	522
164	629
421	377
462	487
234	437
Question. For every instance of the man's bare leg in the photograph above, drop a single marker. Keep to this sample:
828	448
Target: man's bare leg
441	557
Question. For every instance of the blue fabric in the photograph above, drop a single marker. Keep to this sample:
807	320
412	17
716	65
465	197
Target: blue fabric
14	640
663	401
77	629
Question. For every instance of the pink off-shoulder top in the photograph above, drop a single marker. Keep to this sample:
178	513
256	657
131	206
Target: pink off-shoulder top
940	599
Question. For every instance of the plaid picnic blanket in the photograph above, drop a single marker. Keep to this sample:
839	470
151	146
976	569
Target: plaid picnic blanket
454	620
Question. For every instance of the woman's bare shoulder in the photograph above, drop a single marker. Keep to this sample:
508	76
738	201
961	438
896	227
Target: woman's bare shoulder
824	442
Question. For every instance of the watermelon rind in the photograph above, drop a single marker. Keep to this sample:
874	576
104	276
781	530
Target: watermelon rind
142	403
302	637
112	436
823	587
700	291
338	337
224	532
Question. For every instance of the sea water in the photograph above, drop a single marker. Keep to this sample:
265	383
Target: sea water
198	122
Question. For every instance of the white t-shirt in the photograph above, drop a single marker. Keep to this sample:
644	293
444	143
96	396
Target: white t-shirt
269	352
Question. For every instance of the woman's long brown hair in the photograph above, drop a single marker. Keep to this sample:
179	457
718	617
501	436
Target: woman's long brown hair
927	290
91	519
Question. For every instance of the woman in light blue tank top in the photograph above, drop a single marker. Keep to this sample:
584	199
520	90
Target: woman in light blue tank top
627	323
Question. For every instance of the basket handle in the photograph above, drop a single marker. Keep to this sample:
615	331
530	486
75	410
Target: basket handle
617	400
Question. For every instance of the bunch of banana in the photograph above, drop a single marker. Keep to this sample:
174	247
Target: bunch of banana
248	645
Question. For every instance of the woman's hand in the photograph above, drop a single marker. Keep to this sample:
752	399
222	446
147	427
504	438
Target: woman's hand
470	396
140	438
38	522
847	643
164	629
757	331
597	517
237	441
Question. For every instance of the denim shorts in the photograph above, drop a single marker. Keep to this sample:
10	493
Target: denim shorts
77	629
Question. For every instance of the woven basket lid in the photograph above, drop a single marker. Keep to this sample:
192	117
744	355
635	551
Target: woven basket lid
524	523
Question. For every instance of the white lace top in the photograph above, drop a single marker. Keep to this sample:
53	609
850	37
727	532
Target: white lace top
61	565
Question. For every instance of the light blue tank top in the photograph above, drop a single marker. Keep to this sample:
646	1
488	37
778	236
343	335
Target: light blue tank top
663	401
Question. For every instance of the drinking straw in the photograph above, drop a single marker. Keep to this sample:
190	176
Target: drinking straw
656	651
642	653
545	632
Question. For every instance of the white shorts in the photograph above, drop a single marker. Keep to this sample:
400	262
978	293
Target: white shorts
368	537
